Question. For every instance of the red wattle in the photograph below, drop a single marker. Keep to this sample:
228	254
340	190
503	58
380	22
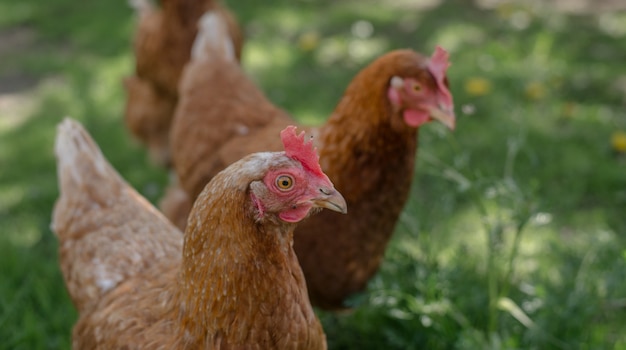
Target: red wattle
415	118
295	215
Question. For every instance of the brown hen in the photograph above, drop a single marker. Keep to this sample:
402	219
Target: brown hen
233	281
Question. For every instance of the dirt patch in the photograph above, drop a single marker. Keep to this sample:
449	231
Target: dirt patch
16	99
14	82
12	42
16	39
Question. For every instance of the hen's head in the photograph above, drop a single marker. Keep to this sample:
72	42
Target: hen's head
291	183
419	88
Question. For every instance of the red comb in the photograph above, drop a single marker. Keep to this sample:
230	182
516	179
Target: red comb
437	66
297	148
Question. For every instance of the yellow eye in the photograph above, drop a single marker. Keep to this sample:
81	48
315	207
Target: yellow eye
284	182
417	87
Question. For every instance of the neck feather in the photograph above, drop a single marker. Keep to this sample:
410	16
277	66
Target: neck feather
238	275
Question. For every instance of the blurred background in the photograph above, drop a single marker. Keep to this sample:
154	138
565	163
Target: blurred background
514	235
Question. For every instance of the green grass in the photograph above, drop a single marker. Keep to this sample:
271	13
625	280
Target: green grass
514	235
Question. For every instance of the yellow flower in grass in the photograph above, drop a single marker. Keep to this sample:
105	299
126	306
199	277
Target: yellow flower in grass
309	41
505	9
477	86
569	109
618	141
536	90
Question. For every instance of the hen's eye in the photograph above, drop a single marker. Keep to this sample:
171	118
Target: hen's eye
417	87
284	182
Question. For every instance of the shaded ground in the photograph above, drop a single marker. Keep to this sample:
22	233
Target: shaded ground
12	41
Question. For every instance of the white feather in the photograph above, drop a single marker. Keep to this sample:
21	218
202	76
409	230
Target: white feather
212	38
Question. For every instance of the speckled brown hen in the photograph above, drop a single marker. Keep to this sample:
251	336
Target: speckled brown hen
368	148
232	282
162	46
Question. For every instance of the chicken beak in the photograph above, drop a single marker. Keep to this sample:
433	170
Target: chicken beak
444	115
331	199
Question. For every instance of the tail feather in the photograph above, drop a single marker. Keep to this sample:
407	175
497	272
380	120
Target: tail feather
141	7
76	150
86	179
107	232
213	39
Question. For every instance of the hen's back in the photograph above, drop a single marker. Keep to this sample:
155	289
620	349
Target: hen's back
219	111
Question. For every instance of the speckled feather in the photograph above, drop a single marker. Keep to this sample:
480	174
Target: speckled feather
106	230
238	284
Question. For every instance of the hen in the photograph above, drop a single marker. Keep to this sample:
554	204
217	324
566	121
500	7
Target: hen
367	147
162	44
232	281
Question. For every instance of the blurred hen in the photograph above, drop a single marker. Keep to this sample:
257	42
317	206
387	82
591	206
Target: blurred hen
162	46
